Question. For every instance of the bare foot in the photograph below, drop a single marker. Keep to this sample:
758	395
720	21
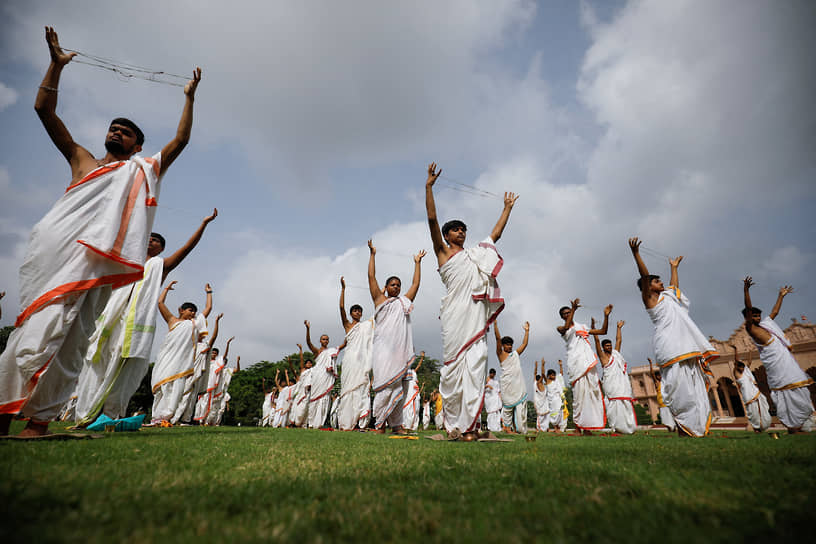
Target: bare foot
379	431
455	434
34	429
586	433
399	430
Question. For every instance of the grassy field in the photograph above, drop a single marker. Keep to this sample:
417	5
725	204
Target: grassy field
233	484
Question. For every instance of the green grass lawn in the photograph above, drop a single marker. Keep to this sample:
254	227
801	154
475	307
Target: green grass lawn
233	484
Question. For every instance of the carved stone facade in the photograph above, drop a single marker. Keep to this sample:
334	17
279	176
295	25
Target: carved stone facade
724	395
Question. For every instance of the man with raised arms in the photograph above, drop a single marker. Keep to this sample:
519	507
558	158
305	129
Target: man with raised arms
91	241
207	402
299	411
117	358
788	382
176	358
323	376
393	345
269	400
355	402
540	399
682	351
756	404
514	393
410	408
472	302
588	411
492	402
222	397
620	406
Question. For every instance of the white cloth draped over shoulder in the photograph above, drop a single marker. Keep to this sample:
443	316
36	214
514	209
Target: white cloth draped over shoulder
205	400
540	400
471	304
323	373
393	343
354	401
513	391
300	398
788	383
410	407
492	399
173	364
756	405
683	353
620	409
676	336
580	355
95	235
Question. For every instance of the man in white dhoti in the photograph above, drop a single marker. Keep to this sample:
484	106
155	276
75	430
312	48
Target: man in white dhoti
492	402
90	242
540	399
788	382
323	376
588	410
756	404
666	417
472	303
410	408
176	359
221	397
557	401
513	391
283	403
620	405
393	344
683	352
299	412
117	358
355	401
268	403
206	406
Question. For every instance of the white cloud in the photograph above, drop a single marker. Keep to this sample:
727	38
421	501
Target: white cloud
8	96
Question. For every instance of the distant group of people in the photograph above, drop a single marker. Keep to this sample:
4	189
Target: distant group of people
90	290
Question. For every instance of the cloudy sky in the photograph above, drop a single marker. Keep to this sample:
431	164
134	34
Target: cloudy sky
690	124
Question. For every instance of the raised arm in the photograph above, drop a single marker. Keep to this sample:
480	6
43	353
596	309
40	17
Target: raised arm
163	309
79	158
645	289
605	327
535	369
618	336
226	349
2	294
208	305
286	375
675	264
783	292
421	358
509	202
300	351
376	293
175	259
343	317
560	367
312	347
757	333
598	349
440	248
526	339
574	305
211	342
412	291
172	150
237	365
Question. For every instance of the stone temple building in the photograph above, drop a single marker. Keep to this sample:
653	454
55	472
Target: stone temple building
725	399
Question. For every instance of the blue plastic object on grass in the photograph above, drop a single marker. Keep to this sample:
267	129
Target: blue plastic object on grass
126	424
